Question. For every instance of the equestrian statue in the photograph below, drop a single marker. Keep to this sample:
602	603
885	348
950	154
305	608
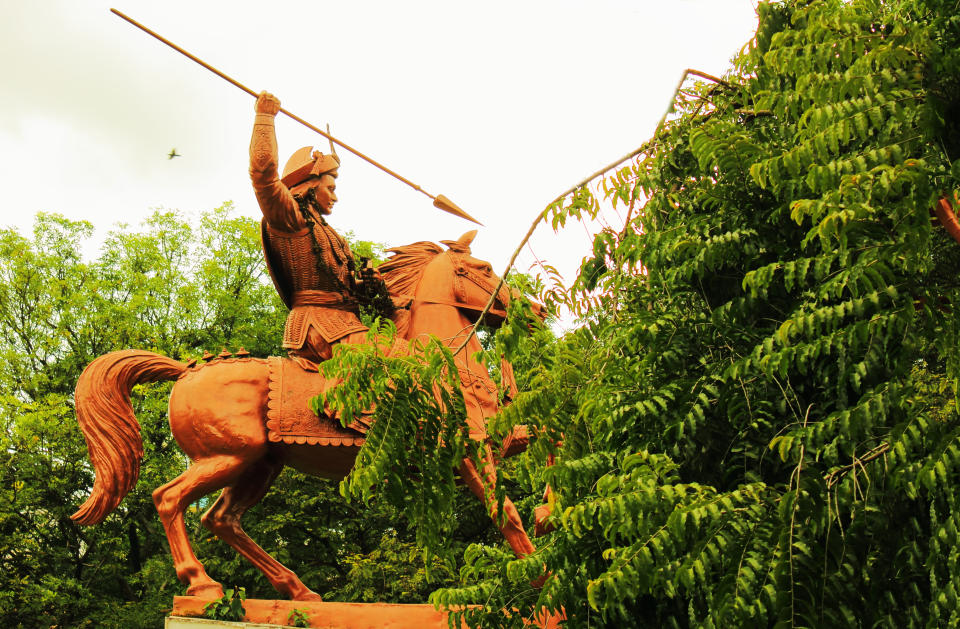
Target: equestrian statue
241	419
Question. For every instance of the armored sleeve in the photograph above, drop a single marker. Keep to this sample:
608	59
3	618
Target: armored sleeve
277	204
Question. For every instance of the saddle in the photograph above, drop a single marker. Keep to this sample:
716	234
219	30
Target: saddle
289	418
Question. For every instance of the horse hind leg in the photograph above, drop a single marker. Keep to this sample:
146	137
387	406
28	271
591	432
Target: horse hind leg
203	477
223	520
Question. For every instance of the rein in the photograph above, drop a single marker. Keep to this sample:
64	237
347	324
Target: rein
461	272
455	304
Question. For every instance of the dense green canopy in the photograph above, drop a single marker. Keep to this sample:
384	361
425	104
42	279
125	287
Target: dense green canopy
759	413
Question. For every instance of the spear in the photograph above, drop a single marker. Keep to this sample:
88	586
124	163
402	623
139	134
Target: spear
439	201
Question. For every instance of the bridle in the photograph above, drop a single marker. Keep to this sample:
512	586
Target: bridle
462	274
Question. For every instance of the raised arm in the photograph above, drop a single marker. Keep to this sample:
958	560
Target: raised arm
277	204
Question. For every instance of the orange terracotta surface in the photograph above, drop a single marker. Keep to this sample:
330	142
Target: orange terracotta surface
945	212
338	615
328	615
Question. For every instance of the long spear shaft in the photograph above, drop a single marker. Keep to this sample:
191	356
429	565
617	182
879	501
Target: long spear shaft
439	201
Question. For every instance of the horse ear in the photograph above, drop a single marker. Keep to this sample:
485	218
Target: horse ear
467	238
461	244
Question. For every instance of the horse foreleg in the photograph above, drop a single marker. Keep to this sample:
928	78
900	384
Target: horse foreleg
201	478
483	488
541	514
223	520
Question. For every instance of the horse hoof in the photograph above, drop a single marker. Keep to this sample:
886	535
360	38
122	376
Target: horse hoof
210	591
309	595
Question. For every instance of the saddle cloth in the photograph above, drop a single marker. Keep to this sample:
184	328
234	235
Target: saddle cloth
289	418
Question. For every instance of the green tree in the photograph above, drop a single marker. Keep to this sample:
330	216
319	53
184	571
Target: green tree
759	413
169	287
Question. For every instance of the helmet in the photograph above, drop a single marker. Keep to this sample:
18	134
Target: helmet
306	163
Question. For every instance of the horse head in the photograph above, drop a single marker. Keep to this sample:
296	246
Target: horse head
458	278
424	274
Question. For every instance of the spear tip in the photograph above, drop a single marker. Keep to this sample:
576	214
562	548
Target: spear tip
443	203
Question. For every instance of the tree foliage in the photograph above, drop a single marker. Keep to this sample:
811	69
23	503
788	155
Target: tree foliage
168	287
759	414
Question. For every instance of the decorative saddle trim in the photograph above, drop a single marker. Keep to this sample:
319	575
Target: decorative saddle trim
289	418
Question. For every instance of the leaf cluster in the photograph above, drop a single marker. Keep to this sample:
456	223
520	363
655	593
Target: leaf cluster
758	416
419	437
228	607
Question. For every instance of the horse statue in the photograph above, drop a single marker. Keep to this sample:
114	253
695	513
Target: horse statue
223	416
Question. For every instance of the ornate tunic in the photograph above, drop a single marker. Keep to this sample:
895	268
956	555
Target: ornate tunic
319	292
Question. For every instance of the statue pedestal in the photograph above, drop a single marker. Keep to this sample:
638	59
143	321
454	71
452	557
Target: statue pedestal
260	614
323	615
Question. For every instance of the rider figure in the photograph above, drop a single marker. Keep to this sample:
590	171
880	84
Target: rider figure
310	263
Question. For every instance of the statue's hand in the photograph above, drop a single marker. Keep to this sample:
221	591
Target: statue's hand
369	273
267	103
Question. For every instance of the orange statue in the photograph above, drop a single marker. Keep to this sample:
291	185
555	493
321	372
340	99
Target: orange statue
241	419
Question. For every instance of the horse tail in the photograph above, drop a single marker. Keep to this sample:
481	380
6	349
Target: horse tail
112	431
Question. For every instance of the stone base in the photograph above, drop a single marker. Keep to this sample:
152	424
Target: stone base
188	612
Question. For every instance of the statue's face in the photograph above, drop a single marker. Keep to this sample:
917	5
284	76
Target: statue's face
324	188
326	193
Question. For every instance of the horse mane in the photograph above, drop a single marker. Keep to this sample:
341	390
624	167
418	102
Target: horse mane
402	272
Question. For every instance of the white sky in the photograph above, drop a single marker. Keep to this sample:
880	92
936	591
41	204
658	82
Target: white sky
498	105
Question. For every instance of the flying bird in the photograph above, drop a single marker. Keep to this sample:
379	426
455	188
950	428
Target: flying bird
173	153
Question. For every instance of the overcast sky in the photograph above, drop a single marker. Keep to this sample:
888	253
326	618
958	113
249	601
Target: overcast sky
498	105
